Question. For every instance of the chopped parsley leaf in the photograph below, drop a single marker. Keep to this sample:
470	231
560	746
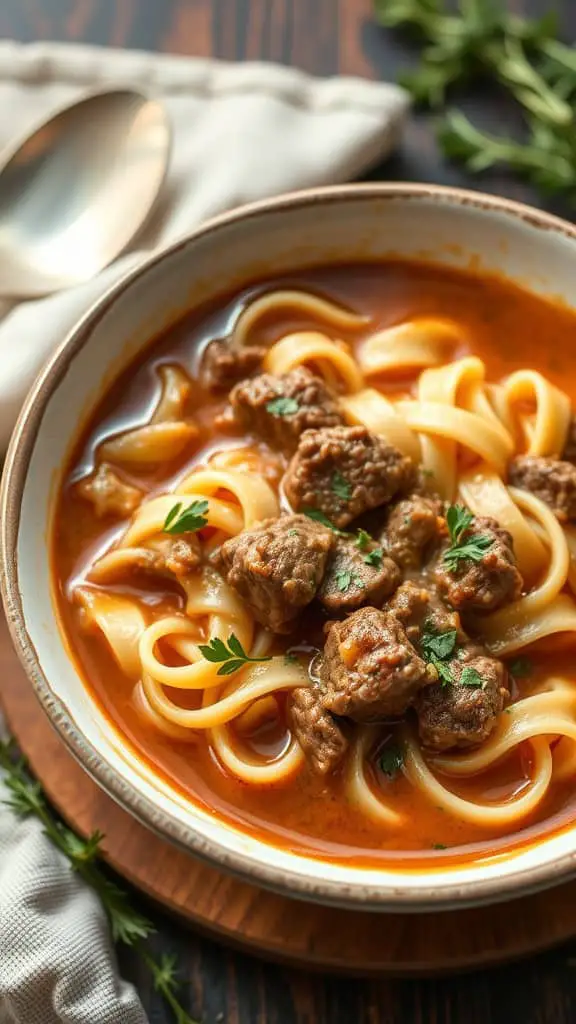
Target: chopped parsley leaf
282	406
438	648
374	558
363	540
345	579
469	549
340	486
520	668
407	520
290	659
230	655
471	677
439	846
435	643
391	760
186	520
292	533
428	472
319	517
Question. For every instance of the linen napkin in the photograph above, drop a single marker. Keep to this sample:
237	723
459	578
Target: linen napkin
241	132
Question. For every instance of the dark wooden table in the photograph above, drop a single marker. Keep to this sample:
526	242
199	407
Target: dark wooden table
323	37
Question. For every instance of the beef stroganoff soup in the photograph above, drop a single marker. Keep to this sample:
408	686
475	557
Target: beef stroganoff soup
315	558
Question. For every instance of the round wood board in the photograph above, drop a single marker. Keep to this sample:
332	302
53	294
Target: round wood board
273	926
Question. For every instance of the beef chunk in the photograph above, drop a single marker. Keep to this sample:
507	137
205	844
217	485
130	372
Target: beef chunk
277	567
321	736
182	555
280	409
551	480
345	471
488	583
223	365
350	581
369	668
415	605
459	715
413	526
109	494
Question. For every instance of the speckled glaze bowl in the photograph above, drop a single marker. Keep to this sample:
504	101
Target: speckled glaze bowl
319	226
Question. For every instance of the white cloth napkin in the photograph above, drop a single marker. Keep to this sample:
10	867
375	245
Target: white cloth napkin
241	132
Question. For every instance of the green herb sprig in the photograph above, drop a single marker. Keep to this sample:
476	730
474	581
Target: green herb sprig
482	40
230	656
463	549
438	648
282	406
127	925
320	517
186	520
392	760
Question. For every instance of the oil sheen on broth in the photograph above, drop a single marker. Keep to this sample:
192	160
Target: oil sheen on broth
477	382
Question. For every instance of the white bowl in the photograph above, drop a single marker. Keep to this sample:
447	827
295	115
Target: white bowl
343	224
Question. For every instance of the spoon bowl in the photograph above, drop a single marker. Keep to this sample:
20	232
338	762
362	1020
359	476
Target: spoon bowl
75	191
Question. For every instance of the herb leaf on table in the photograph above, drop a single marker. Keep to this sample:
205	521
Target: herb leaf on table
128	926
482	41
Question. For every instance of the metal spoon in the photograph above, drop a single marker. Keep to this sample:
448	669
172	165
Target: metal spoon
76	190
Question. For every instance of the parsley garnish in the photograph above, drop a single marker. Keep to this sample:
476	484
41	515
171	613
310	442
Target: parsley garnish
472	548
232	656
438	648
290	659
391	760
345	579
320	517
471	677
282	406
520	668
374	558
341	487
363	540
439	846
186	520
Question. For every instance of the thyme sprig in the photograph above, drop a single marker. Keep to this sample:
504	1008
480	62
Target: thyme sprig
129	928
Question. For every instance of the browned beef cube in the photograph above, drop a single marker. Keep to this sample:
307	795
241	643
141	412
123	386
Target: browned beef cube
109	493
280	409
355	577
223	365
415	605
321	736
551	480
490	581
277	567
413	526
370	669
345	471
465	712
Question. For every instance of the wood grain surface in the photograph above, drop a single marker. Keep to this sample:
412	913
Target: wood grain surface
323	37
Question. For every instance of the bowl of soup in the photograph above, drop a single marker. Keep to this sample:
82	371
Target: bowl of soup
289	542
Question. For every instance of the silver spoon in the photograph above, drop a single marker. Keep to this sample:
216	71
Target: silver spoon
77	189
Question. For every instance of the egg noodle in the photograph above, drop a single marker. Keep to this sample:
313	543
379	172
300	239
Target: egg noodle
462	430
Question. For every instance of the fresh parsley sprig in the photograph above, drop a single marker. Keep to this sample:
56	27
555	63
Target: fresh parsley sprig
320	517
230	657
438	648
128	926
186	520
282	406
392	760
469	548
479	40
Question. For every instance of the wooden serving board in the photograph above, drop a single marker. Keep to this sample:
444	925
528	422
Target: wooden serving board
273	926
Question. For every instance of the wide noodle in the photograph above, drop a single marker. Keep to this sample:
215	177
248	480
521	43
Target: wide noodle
461	430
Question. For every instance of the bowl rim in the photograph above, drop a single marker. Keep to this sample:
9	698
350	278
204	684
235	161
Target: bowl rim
354	893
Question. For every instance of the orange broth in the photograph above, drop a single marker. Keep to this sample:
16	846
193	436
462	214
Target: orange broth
510	329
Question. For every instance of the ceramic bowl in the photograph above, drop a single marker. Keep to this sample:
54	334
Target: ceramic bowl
276	236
